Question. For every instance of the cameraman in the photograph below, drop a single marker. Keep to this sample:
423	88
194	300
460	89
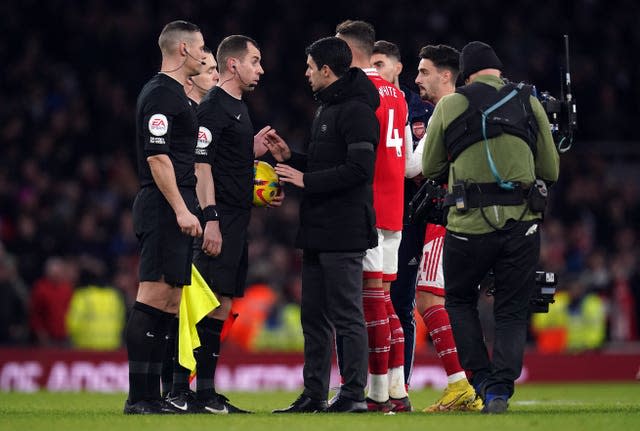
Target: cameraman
495	141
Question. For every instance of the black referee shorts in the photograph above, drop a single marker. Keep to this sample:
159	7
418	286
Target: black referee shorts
164	249
226	274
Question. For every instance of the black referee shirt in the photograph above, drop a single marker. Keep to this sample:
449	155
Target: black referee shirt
225	141
166	123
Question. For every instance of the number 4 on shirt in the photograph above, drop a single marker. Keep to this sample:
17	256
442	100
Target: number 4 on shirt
393	137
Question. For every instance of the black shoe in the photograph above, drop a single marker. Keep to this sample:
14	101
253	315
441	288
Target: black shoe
401	405
495	405
379	406
149	407
304	404
220	405
185	401
346	405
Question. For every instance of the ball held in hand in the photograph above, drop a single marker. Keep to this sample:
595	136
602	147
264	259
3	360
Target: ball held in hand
266	184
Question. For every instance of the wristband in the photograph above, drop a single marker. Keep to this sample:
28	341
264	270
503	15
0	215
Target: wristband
210	213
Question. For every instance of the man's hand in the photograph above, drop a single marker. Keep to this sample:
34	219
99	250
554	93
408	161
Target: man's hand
277	199
189	224
212	239
290	175
259	142
277	146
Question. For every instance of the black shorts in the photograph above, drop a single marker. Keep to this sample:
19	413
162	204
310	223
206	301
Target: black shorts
164	250
226	274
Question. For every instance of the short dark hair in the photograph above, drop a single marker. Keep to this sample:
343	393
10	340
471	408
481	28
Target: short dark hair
171	32
442	56
235	45
387	48
361	32
332	51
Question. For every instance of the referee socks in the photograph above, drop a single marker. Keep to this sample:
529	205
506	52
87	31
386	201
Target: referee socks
146	334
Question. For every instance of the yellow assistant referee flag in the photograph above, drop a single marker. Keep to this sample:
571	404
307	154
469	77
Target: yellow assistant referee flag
197	301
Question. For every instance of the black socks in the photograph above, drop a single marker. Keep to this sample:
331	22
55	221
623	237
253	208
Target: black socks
206	355
146	335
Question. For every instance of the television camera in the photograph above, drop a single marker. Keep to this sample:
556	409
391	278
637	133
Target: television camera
562	111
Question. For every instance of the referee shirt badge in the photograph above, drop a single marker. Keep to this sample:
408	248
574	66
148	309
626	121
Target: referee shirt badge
158	125
204	137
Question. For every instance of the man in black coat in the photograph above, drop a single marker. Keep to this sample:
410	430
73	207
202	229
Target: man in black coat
336	225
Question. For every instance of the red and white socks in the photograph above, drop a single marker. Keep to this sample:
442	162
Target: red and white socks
437	322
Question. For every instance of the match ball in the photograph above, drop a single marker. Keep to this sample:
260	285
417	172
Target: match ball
265	183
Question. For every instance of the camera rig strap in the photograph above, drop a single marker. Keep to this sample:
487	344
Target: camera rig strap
514	117
486	194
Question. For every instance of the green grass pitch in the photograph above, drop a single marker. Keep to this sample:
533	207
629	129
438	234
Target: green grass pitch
563	407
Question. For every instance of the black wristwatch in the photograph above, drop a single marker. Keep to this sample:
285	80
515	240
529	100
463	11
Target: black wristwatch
210	213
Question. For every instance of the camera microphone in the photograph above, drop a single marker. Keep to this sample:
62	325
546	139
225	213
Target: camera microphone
201	62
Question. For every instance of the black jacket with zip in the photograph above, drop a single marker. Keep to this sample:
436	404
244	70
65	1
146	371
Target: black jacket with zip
336	213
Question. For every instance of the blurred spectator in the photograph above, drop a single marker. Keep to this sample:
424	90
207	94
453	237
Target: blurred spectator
575	322
252	312
622	317
49	302
96	318
14	299
596	276
281	330
634	285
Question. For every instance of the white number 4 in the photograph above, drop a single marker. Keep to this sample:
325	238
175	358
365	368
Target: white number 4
393	137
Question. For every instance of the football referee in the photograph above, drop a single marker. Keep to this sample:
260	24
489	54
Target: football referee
166	133
224	158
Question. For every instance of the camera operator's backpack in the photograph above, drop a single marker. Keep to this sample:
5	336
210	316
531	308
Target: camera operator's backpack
514	117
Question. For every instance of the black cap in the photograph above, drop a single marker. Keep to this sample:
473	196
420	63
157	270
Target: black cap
477	56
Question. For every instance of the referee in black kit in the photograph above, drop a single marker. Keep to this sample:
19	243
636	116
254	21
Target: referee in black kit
225	153
166	133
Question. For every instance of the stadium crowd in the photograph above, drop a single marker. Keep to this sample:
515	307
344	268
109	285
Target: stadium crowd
67	175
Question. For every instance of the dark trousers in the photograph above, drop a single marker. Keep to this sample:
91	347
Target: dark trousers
403	289
513	255
332	301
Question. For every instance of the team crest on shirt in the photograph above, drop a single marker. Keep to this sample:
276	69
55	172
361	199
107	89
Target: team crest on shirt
158	125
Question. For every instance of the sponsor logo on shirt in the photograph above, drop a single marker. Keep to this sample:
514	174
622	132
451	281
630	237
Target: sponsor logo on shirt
158	125
204	137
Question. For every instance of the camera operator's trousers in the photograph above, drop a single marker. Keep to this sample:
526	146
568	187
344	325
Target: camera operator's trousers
513	255
332	301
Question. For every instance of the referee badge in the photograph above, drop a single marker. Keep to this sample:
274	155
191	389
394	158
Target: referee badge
204	137
158	125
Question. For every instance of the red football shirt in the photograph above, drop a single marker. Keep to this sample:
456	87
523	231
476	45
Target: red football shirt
388	180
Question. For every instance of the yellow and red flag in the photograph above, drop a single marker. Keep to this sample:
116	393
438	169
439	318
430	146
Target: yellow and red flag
197	301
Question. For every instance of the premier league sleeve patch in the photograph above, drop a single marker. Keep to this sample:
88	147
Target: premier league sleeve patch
158	128
204	139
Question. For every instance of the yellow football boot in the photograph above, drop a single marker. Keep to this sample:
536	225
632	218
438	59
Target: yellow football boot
457	396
